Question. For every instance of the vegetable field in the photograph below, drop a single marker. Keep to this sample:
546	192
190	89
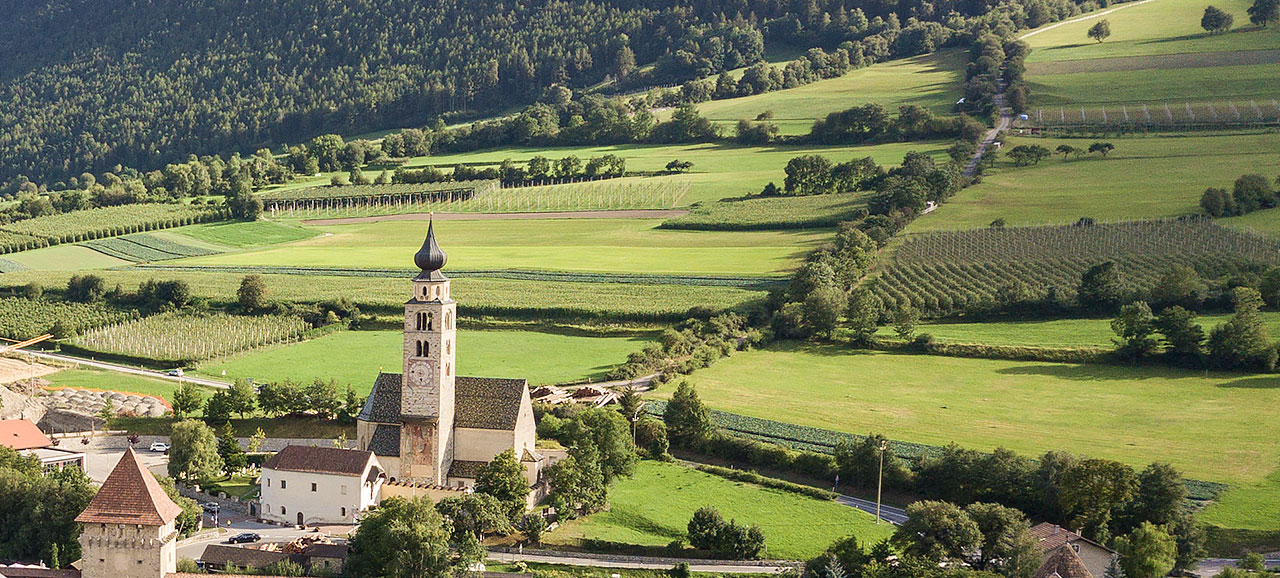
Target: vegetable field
185	337
91	224
143	247
22	318
951	271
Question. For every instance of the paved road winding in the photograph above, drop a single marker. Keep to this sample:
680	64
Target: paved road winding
128	369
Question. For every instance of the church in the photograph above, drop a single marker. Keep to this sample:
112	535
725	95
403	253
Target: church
428	426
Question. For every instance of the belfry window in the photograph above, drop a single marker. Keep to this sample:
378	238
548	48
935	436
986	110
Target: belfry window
448	321
430	322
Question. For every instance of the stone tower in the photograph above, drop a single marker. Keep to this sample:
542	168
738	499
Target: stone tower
129	529
427	389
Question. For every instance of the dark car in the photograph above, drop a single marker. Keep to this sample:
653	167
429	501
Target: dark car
244	538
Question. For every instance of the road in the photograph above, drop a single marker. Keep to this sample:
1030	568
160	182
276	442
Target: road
1006	119
1213	566
194	546
889	514
215	383
1080	18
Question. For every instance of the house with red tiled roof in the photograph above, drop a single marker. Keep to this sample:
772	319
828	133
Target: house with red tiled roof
1051	538
25	437
129	526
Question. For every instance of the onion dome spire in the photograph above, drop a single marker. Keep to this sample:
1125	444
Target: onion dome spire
430	258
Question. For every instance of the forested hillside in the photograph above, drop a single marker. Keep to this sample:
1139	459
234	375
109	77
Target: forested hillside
88	84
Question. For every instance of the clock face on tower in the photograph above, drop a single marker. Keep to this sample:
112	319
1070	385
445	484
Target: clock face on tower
420	375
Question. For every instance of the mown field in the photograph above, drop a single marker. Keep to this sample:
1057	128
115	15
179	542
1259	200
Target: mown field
932	81
242	234
1212	426
1145	177
64	258
573	301
355	357
653	508
600	245
1052	333
771	213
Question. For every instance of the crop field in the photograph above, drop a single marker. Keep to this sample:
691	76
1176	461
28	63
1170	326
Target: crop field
597	245
957	270
186	337
242	234
795	526
22	318
813	211
660	192
1163	116
65	258
104	222
1053	333
1159	27
146	247
1144	178
536	356
507	298
1212	426
932	81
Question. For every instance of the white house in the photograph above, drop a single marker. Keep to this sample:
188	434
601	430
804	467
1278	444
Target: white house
307	485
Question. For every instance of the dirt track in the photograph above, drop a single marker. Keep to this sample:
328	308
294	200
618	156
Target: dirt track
12	370
625	214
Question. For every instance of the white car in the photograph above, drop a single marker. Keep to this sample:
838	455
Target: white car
159	447
175	372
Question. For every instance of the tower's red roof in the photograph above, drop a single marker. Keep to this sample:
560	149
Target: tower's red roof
131	495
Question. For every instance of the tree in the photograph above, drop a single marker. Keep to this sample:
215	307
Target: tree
503	478
534	526
1252	192
577	485
404	538
1147	552
194	453
187	400
823	308
252	295
1102	148
1007	544
604	433
107	414
1091	491
1159	497
937	531
242	399
1243	341
1264	12
1135	328
255	440
475	516
1101	287
679	166
904	322
651	436
688	421
1215	21
1252	562
704	528
863	314
808	175
233	458
858	463
321	397
1270	286
1218	202
1066	150
1101	30
567	167
1180	285
1190	537
630	404
1183	337
1028	154
218	407
86	288
707	530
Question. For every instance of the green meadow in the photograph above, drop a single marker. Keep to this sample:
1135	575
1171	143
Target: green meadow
240	234
1212	426
355	357
653	508
599	245
1158	27
1145	177
1053	333
1258	82
64	258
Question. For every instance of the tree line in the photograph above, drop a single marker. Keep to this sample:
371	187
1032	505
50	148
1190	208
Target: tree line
1250	193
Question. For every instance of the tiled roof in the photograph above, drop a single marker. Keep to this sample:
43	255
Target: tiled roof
21	434
243	557
383	404
1051	536
1063	563
327	551
488	402
19	571
385	440
319	460
466	469
130	495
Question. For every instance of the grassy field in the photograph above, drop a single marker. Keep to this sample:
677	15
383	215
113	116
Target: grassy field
932	81
1216	427
476	296
653	508
113	381
1146	177
64	258
600	245
771	212
1155	86
1055	333
1267	222
536	356
720	170
1159	27
245	235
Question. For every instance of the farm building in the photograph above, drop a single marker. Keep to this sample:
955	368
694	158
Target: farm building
307	485
1051	538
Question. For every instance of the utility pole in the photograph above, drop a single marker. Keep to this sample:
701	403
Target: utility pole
884	445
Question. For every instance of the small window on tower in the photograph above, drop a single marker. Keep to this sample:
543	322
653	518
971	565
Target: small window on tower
448	347
426	349
430	320
448	321
447	369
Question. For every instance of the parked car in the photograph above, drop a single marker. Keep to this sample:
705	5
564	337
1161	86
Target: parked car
244	538
175	372
159	447
211	507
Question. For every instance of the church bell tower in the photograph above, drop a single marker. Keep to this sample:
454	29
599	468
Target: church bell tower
426	390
